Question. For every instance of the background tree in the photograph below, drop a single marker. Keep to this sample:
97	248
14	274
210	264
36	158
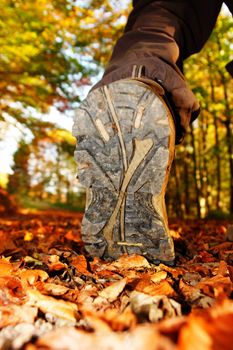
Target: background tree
209	140
51	49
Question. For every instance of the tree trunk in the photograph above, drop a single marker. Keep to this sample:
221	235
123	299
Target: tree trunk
205	178
195	174
186	186
7	202
178	204
228	130
216	136
228	137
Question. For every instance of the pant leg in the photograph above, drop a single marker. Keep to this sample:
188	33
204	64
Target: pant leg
158	35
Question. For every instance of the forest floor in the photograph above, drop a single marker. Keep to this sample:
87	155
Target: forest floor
53	297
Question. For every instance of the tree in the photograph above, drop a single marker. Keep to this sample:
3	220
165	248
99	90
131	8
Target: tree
48	49
19	181
211	135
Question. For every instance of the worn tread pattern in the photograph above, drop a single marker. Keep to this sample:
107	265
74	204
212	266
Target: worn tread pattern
125	146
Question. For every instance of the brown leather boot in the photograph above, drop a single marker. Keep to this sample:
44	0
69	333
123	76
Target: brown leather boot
125	148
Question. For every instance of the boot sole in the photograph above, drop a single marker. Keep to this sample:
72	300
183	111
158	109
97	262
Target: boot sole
124	152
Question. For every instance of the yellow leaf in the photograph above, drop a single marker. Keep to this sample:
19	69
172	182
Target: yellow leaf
28	236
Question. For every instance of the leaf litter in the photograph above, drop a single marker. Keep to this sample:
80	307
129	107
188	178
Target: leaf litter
53	296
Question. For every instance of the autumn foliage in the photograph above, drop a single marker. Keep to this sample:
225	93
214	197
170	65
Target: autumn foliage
54	297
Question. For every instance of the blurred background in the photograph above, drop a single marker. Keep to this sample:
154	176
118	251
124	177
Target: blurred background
52	52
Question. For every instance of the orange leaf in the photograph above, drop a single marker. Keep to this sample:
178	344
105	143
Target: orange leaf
6	268
80	263
145	285
29	277
131	262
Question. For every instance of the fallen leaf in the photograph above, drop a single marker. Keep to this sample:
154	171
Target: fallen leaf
14	314
86	296
59	308
131	262
120	322
229	233
29	277
146	285
69	292
95	322
74	235
153	308
221	269
172	326
194	296
30	260
18	335
52	289
80	263
208	330
226	255
216	286
55	264
111	292
28	236
140	338
6	243
11	290
6	268
175	272
159	276
175	234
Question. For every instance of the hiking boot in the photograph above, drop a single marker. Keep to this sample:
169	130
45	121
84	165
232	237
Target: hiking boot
125	148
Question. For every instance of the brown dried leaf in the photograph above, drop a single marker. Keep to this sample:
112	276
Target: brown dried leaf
96	323
120	322
175	272
14	314
141	338
159	276
153	308
194	296
131	262
146	285
74	235
230	269
111	292
6	243
29	277
86	296
226	255
11	290
208	330
52	289
171	326
229	233
222	269
201	269
217	286
80	263
59	308
55	264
